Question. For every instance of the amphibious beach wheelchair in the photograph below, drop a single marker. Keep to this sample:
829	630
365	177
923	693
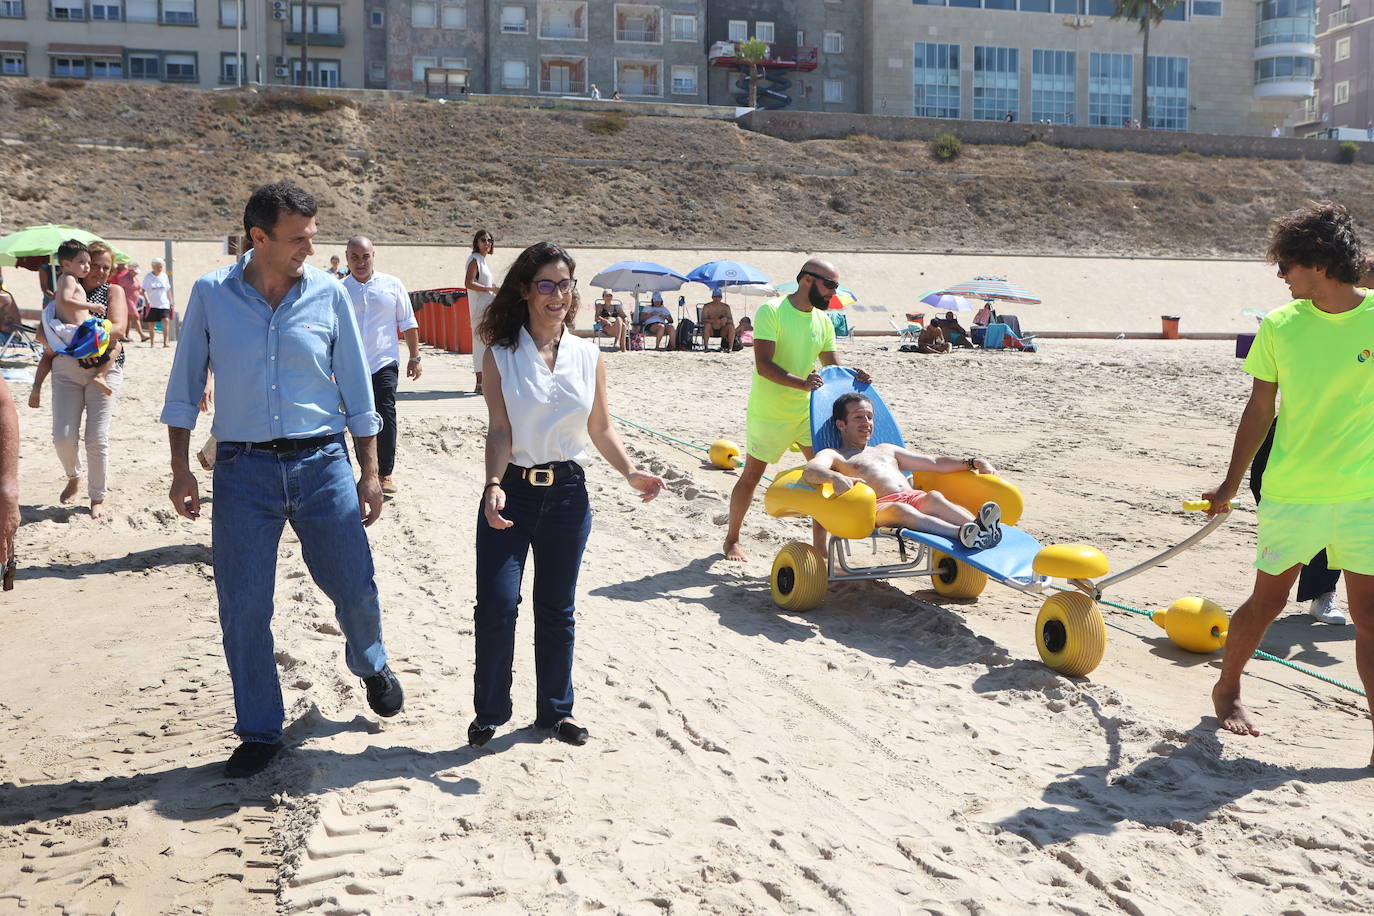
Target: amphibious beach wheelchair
1069	630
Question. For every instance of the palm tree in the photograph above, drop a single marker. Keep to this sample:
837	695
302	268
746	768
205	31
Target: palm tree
1147	13
755	51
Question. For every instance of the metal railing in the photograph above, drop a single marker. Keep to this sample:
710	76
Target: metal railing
646	35
563	87
1341	17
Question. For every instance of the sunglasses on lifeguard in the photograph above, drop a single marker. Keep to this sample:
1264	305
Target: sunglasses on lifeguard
549	287
828	283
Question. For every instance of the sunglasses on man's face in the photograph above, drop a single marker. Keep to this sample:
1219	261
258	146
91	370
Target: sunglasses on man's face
828	283
549	287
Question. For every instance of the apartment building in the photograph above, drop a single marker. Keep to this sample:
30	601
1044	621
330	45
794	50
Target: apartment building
815	60
1343	104
1232	68
205	43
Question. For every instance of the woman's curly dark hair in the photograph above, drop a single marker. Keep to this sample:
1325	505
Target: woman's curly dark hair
1321	234
508	312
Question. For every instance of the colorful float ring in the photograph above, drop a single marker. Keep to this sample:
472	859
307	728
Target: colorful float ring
1070	633
799	577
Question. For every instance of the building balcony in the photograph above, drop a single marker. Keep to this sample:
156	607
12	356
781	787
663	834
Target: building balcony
564	87
1287	88
572	32
1340	17
1286	49
321	39
650	36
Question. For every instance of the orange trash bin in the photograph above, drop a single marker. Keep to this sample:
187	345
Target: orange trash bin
1170	326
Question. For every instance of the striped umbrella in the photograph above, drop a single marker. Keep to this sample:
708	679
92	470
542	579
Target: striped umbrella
991	288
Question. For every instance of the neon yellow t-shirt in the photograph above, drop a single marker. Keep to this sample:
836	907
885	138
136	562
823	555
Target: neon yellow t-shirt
799	338
1324	366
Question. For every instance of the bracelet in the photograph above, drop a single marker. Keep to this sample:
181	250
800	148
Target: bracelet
489	486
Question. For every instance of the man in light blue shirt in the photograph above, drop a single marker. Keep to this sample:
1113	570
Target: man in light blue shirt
290	374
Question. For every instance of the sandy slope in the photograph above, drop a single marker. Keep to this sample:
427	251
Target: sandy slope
890	752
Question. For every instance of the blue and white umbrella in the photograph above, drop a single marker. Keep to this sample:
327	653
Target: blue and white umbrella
991	288
717	274
638	277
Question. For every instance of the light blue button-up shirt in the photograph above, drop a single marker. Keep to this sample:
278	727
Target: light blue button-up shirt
295	372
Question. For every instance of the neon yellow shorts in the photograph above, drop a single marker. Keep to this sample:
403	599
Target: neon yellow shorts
1293	533
769	441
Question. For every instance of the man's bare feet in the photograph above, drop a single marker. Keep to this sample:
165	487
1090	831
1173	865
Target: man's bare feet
734	552
98	509
69	490
1231	715
36	398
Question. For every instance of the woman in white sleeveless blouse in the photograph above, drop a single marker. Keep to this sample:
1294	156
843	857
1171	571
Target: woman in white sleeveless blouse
481	287
546	396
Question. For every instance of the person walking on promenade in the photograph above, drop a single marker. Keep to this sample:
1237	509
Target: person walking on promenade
1319	484
481	287
290	374
382	307
790	334
546	395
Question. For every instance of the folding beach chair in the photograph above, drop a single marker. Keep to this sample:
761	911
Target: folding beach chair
843	332
15	335
905	335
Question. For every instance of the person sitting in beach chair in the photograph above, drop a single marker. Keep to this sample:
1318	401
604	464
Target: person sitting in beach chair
883	466
954	332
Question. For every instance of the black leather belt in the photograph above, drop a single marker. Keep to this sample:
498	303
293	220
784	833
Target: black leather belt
545	475
288	446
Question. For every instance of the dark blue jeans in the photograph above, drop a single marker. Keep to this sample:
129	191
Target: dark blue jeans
554	521
256	493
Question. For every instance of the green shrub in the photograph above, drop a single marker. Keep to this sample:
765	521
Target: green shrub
945	147
1349	151
610	123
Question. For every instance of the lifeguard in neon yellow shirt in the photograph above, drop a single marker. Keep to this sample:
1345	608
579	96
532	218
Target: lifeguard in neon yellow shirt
1314	352
790	334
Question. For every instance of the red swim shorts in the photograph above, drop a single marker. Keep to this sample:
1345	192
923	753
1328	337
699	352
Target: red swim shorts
910	497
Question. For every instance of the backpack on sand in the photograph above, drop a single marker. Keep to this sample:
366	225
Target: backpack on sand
686	330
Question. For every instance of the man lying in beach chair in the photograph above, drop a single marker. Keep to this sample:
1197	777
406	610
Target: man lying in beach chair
882	465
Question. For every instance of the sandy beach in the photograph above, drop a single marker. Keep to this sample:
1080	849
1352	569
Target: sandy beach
890	752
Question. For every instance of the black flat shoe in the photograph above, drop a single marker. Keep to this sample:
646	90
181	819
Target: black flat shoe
569	732
479	735
250	757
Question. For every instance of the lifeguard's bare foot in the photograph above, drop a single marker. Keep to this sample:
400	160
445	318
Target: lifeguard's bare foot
1231	715
734	552
98	509
69	490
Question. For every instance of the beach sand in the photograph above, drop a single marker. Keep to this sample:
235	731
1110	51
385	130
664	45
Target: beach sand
890	752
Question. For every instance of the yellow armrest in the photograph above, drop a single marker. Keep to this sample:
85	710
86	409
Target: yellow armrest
850	515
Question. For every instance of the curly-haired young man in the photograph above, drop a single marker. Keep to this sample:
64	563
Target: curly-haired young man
1319	485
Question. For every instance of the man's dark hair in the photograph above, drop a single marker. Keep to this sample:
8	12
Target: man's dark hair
841	409
70	249
1321	234
268	202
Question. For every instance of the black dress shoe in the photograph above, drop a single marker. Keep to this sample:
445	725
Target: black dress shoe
384	693
479	735
250	757
569	732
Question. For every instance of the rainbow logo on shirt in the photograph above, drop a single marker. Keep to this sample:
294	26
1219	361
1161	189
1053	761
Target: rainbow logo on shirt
1364	355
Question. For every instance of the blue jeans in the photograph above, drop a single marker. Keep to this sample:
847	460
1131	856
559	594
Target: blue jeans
555	522
256	493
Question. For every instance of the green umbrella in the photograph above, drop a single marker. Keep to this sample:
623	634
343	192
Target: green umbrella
43	242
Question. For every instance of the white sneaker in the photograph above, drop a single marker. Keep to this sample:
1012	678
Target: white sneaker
1324	609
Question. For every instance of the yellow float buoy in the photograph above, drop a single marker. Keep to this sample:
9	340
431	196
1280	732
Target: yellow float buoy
724	454
1195	624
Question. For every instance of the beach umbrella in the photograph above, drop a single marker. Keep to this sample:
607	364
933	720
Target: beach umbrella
638	277
946	303
43	242
842	297
991	288
719	274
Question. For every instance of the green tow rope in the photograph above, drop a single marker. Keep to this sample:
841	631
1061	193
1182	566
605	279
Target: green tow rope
654	432
1258	654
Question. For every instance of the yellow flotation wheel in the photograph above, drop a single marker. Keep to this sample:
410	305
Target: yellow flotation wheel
956	579
724	454
1070	633
799	577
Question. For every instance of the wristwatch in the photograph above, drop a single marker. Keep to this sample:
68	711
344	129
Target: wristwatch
415	359
971	462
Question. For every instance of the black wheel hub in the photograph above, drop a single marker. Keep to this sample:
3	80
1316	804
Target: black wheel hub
787	580
1054	636
948	570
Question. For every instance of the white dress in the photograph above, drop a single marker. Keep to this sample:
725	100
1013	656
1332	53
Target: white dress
477	304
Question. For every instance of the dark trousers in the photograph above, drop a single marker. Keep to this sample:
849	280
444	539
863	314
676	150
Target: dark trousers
554	521
384	393
1315	579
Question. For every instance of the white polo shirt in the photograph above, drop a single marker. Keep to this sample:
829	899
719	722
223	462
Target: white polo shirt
382	307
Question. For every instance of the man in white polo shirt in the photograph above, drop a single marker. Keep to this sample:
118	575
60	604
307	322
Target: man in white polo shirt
382	305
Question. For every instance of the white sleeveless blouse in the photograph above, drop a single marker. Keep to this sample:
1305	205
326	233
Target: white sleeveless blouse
548	410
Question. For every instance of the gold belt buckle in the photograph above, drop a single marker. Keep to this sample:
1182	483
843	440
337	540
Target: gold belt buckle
540	477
